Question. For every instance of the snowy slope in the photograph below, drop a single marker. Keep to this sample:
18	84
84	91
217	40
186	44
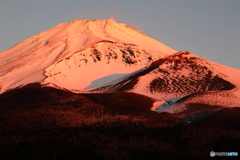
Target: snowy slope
101	59
71	55
172	78
228	97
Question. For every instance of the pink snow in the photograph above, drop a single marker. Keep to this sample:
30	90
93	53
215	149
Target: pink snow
52	57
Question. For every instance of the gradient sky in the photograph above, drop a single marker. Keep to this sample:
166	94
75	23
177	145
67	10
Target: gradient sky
207	28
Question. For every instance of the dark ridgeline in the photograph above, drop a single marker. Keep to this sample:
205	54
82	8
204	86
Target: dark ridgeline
47	123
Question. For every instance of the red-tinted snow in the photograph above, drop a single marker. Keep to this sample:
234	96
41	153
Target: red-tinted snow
226	98
52	57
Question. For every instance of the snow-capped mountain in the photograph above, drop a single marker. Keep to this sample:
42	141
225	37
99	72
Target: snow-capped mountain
181	79
72	55
47	95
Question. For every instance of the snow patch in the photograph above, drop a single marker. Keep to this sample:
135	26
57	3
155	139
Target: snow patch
167	104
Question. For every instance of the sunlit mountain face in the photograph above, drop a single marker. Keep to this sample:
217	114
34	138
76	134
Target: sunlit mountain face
103	90
180	81
72	55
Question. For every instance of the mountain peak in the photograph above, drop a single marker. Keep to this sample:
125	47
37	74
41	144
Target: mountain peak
100	23
69	54
88	22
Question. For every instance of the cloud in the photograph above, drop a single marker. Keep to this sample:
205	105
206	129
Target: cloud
112	17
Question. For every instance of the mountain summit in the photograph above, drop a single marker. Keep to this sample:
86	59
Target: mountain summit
72	55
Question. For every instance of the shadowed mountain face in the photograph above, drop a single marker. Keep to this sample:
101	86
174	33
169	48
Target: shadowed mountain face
47	123
33	107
